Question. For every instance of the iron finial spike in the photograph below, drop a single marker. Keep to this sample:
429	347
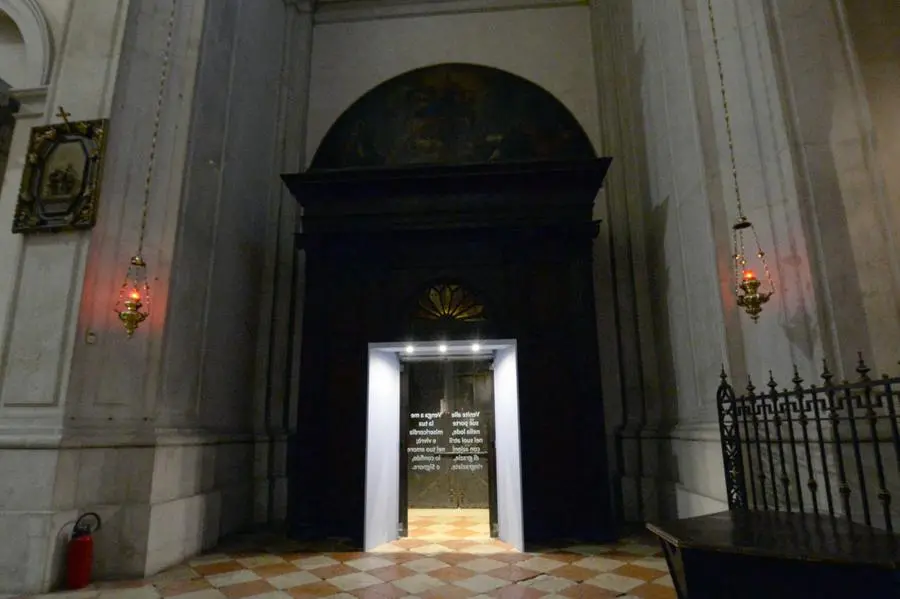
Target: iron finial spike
862	368
826	373
722	374
797	380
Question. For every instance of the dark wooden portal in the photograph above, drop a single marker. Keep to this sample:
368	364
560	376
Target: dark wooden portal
455	202
520	238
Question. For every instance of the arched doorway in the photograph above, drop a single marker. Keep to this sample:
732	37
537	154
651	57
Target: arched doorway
25	44
8	108
465	177
24	62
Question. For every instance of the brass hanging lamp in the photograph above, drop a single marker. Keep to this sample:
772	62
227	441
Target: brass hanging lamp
133	305
751	293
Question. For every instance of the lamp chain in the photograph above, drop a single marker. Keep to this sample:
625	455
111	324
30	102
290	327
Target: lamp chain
157	117
728	130
740	260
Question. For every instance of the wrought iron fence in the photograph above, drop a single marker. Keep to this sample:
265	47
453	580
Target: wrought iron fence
826	449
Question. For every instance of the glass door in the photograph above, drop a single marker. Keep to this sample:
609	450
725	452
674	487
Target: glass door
447	438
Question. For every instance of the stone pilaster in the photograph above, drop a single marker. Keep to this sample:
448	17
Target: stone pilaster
673	191
40	300
281	310
154	430
637	392
846	211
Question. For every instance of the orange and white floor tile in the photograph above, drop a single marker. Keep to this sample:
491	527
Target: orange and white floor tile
436	563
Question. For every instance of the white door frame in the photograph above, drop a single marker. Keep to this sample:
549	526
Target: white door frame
383	437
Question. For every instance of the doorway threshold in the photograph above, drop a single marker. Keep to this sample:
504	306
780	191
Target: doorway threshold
450	524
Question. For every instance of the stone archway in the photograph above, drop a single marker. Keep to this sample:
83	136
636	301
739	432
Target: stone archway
36	38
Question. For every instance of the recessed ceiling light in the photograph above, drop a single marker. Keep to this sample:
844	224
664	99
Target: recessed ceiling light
442	348
476	347
410	349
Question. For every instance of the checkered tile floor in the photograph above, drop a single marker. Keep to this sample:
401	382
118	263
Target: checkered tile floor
438	567
446	525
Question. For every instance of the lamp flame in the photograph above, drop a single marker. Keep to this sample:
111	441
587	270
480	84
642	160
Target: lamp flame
748	289
133	306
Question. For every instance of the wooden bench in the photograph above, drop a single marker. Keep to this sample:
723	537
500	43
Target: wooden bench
775	555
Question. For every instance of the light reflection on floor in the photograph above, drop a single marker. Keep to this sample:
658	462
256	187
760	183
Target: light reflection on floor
448	555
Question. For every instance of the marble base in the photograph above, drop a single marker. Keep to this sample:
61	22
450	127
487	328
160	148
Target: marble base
32	559
675	473
161	502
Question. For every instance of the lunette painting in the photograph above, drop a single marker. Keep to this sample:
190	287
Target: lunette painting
453	114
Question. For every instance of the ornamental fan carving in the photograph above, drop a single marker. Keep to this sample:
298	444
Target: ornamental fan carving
450	302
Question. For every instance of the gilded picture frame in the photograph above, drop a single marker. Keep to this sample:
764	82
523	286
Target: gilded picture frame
60	188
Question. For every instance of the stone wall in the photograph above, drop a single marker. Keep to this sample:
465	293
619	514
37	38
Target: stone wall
841	182
40	297
355	50
676	202
178	436
874	30
172	436
810	180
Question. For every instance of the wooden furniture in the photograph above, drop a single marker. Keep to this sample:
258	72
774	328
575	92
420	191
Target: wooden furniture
775	555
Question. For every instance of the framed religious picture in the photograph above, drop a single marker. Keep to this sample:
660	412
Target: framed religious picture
61	180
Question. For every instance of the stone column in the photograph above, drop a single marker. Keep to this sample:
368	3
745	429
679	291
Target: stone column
278	353
667	102
852	226
40	302
154	433
624	243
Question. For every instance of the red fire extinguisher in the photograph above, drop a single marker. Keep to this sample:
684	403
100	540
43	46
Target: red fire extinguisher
80	554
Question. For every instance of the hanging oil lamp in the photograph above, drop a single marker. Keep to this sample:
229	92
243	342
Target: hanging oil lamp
750	292
134	297
747	287
133	305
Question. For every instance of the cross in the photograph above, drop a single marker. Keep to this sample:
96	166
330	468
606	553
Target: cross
63	115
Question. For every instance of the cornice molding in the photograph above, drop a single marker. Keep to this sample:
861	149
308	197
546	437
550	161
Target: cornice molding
339	11
32	102
134	436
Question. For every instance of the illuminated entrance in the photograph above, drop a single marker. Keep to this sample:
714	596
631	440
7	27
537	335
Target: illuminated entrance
447	427
443	433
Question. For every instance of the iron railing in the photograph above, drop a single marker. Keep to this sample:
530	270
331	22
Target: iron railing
826	449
